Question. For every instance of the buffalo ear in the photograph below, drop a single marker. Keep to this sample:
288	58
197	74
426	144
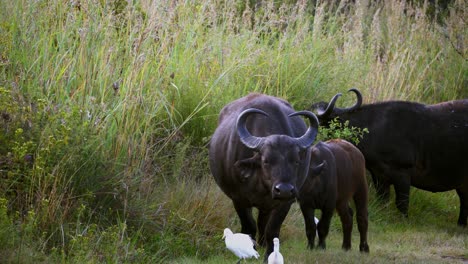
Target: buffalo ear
316	170
248	166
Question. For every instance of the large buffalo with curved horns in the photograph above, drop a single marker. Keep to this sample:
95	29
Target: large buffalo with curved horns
259	157
410	144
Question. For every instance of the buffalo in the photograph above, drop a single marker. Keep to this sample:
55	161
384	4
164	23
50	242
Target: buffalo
410	144
265	169
337	175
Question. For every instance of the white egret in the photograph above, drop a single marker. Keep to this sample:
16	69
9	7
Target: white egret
316	223
240	244
275	256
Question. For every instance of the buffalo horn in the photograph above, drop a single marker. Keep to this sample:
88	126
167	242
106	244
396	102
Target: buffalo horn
308	138
247	139
331	106
358	102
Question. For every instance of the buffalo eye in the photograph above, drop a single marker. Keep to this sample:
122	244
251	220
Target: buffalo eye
293	159
267	161
296	163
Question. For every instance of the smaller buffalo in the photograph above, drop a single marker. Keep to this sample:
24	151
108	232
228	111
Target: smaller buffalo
337	175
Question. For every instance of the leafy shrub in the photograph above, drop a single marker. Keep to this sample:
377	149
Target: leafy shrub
337	129
8	234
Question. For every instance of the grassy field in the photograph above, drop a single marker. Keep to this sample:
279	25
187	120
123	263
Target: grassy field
426	237
107	107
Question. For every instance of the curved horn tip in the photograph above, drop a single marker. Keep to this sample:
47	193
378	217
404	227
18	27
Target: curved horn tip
246	138
334	99
331	105
359	99
305	113
252	110
356	91
337	96
308	138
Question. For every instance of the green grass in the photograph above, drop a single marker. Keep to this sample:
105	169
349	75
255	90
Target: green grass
428	236
106	108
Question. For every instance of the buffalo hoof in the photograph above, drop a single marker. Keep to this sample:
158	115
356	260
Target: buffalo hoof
322	245
346	247
462	223
364	248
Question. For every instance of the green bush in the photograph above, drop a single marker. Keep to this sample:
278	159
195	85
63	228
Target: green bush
337	129
8	234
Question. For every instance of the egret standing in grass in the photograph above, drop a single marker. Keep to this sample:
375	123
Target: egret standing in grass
316	223
275	256
241	245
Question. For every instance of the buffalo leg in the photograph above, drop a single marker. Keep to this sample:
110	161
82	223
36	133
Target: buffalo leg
463	195
246	219
346	222
263	217
272	229
402	191
382	187
324	226
310	226
361	202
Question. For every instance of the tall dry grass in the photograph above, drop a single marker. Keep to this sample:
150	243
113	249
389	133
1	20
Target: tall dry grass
118	99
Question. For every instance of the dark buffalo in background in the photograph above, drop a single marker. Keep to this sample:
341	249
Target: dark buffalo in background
337	175
259	156
410	144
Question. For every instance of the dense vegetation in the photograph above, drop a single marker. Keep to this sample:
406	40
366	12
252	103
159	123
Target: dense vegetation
107	107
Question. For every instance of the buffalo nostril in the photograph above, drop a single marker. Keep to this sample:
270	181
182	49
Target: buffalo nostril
277	189
284	190
292	192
